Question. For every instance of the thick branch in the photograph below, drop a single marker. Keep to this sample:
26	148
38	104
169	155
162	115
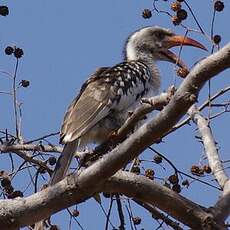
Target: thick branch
23	211
221	209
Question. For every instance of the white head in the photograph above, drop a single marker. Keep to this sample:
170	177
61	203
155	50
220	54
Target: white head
152	44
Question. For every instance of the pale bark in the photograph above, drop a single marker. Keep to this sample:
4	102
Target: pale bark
222	208
209	147
75	189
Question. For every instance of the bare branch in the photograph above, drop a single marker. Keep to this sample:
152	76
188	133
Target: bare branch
209	146
75	189
30	147
41	138
26	156
221	209
158	215
205	104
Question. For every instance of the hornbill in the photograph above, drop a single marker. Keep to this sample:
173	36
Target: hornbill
106	98
110	93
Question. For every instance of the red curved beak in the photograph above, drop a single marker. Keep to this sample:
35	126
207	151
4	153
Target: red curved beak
178	40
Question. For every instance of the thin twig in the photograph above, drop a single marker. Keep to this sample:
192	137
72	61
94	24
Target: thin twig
75	219
198	24
158	215
204	105
109	213
180	172
14	90
120	212
41	138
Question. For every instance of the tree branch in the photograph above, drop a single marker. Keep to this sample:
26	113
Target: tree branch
73	189
209	146
158	215
222	208
30	147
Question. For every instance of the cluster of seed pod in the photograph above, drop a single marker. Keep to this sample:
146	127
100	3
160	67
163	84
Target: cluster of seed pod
174	183
200	170
8	189
18	52
4	10
180	13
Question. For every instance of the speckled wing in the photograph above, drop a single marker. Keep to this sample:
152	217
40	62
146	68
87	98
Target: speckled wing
108	89
87	108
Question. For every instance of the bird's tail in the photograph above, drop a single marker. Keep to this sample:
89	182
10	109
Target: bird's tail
60	171
63	162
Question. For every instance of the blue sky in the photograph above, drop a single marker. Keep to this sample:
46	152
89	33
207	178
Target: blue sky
65	41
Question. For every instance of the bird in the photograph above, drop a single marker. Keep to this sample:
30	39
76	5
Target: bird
105	99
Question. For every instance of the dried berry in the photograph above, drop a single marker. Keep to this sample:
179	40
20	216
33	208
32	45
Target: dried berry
182	72
4	11
9	50
42	170
217	39
25	83
8	189
173	179
207	169
196	170
182	14
175	6
136	220
15	194
2	173
185	183
176	188
146	13
149	173
136	170
52	161
5	182
175	20
106	195
54	227
157	159
18	52
219	6
75	213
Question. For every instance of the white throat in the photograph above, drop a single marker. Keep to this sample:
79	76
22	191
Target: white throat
131	53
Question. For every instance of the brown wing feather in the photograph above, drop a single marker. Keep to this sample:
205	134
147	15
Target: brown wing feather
86	110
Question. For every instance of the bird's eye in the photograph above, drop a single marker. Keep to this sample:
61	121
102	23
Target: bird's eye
160	35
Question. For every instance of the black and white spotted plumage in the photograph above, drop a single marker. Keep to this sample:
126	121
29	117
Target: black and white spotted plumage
108	94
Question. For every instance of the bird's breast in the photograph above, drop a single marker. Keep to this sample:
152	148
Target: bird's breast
129	83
